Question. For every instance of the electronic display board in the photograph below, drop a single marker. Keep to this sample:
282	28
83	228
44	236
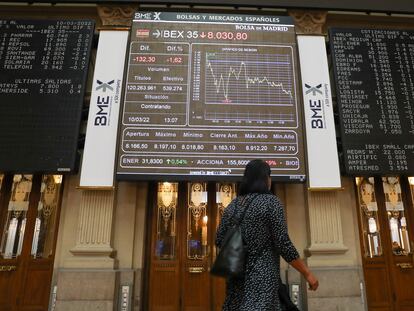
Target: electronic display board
400	6
205	93
374	72
43	70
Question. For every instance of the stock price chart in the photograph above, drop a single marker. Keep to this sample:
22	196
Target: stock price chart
206	93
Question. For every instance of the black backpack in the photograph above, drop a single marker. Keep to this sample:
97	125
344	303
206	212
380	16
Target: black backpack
231	258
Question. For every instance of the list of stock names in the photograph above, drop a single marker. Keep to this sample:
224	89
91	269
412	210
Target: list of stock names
374	71
43	69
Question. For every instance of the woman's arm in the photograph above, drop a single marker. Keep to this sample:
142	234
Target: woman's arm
276	223
301	267
278	229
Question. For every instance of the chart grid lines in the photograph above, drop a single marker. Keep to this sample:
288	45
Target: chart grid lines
254	79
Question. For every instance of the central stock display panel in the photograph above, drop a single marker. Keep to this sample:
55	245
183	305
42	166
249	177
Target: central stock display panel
206	93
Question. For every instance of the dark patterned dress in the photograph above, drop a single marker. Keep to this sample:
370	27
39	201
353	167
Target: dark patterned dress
265	233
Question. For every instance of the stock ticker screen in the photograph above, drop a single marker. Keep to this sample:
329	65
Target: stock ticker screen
374	72
206	93
43	73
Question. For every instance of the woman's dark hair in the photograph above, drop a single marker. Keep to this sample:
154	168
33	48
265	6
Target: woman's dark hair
255	178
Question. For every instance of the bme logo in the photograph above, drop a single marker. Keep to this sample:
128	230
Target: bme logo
104	86
102	103
317	118
148	16
101	116
313	89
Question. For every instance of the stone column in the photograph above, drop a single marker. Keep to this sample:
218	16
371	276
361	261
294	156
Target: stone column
90	279
323	206
93	243
327	211
325	224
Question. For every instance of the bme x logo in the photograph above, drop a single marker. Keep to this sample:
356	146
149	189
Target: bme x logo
313	89
104	86
157	16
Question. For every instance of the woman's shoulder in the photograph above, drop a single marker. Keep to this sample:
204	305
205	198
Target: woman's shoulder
267	199
256	198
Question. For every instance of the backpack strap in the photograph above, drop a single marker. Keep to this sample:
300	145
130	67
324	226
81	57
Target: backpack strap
249	201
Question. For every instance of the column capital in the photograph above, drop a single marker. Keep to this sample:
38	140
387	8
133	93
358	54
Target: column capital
115	16
309	22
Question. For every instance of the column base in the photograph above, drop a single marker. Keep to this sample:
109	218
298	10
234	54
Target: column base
327	255
326	249
91	262
92	250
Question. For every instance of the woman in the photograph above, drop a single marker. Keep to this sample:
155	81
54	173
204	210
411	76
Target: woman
265	234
